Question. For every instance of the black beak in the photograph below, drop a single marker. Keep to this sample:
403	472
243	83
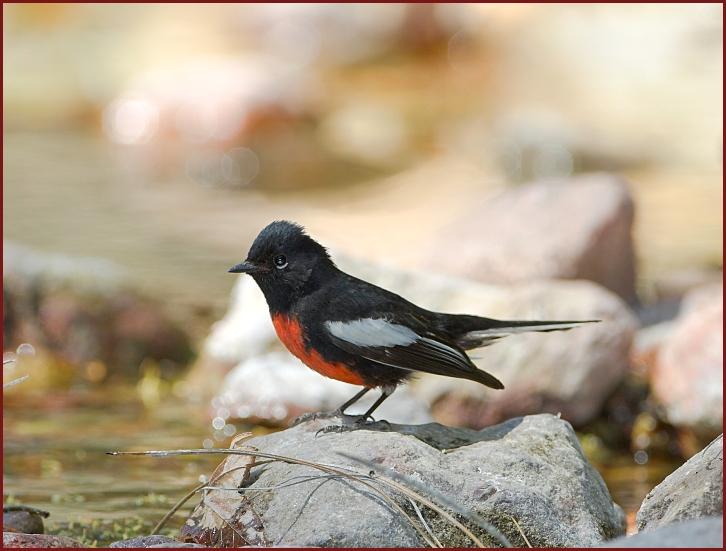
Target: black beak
245	268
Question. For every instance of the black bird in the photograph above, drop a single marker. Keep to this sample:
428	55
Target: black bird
353	331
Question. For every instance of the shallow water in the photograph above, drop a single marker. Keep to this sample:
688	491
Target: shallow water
55	459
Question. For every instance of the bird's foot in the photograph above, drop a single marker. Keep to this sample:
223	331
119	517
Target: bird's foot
311	416
356	422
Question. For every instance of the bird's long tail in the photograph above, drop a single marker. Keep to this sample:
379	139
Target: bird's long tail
475	332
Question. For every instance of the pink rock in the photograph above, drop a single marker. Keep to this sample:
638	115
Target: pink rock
687	378
577	228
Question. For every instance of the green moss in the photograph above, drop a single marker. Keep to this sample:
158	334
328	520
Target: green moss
451	536
101	533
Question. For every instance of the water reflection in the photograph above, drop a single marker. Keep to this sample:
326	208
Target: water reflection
55	459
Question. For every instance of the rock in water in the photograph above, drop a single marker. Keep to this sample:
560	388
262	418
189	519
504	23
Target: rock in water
694	490
525	476
26	520
703	532
577	228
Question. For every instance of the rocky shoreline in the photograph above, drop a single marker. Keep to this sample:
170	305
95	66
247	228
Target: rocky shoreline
523	482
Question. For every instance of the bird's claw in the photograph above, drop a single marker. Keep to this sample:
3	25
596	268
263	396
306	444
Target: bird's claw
360	422
311	416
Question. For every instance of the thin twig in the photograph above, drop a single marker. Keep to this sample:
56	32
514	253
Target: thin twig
325	468
179	504
410	493
520	531
294	481
423	521
472	517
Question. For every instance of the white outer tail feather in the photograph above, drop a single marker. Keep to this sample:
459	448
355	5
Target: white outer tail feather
503	331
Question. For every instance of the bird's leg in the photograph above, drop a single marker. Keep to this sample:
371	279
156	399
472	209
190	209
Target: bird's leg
361	421
324	414
352	401
385	393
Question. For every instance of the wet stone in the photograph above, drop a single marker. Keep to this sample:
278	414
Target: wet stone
693	491
703	532
25	521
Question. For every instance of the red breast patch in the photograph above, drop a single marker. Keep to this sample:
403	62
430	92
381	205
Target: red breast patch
290	332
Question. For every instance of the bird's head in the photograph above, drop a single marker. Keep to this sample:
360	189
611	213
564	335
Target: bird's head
286	263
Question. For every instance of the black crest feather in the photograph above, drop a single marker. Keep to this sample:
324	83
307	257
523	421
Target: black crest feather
283	234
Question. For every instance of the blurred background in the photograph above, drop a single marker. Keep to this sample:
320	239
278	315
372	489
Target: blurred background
457	153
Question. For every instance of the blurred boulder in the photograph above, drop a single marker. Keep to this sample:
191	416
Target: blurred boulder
687	377
311	35
666	48
647	343
704	532
235	122
570	372
695	490
576	228
674	285
81	311
527	476
702	296
275	388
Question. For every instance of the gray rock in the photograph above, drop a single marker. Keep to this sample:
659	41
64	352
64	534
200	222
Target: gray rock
687	378
26	520
694	490
704	532
568	228
146	541
531	366
527	474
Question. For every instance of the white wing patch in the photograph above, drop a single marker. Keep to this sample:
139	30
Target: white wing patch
372	332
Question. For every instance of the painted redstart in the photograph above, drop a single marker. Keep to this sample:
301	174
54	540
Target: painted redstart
353	331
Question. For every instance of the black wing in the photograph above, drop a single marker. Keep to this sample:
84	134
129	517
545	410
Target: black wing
398	345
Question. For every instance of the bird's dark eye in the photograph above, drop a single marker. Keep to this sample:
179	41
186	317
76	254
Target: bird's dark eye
280	261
